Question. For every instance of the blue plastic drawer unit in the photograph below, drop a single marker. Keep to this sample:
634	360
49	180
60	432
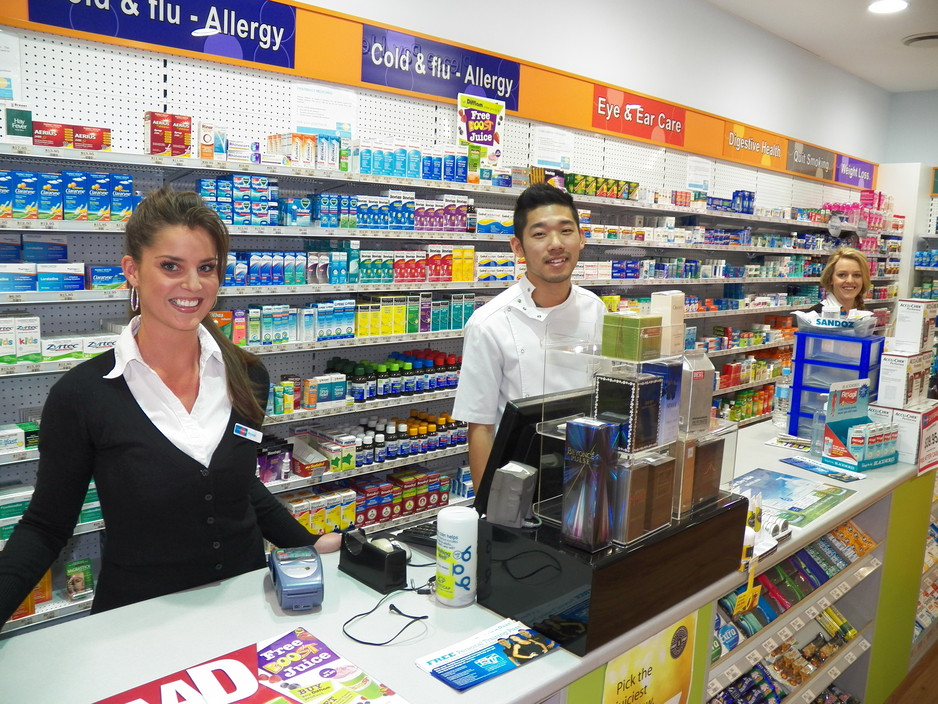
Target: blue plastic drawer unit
822	359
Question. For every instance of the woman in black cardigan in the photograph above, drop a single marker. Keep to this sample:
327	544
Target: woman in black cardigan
166	424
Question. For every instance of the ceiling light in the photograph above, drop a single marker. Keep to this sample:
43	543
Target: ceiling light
884	7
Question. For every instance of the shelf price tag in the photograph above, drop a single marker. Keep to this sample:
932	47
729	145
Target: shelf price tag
8	369
808	696
874	563
18	457
784	633
833	672
850	657
769	645
100	225
844	587
85	154
21	149
32	368
733	673
836	593
864	645
811	612
713	688
67	296
823	603
754	657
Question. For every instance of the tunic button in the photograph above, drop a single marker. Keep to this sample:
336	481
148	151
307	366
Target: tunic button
216	545
208	497
218	566
210	520
204	472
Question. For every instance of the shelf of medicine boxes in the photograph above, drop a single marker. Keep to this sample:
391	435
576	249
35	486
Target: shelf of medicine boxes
758	646
80	529
406	235
302	415
42	154
300	482
822	678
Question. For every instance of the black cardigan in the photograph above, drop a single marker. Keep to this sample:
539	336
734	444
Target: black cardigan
171	523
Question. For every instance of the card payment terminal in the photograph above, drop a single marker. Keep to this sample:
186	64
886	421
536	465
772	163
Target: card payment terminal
297	577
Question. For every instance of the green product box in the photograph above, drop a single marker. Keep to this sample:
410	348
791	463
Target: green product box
413	315
31	434
631	337
14	499
90	512
79	580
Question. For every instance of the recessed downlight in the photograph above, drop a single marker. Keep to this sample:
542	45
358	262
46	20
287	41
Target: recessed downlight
885	7
925	40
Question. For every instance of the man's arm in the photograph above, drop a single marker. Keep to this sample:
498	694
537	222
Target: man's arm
481	436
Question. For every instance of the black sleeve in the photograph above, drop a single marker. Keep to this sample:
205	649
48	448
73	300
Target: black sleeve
65	466
816	308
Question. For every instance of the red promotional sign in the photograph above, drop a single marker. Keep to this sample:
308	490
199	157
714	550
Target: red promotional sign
637	116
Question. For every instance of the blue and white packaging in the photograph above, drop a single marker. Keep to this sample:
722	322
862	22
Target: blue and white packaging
122	197
11	249
94	343
44	248
60	276
100	278
17	277
207	188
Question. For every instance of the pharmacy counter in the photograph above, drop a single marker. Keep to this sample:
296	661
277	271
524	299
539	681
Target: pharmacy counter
98	656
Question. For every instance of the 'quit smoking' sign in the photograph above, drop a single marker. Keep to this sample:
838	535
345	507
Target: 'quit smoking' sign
399	60
260	32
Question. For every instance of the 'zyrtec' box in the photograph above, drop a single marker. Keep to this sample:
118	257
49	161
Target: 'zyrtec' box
27	338
7	340
60	276
95	343
58	347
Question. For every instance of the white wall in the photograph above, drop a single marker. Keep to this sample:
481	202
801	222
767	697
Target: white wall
682	51
913	128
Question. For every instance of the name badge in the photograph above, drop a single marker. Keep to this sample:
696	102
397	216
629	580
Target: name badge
249	433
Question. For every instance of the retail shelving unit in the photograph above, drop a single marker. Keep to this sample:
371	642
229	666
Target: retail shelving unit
254	103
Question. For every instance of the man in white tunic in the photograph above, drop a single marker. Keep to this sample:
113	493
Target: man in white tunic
506	341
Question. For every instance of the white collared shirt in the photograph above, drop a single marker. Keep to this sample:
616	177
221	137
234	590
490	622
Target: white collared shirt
506	353
197	433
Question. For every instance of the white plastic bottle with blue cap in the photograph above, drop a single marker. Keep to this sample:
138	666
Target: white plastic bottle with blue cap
457	542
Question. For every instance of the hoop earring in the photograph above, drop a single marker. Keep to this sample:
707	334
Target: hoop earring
134	299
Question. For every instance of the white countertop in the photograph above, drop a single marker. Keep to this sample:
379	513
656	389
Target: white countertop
104	654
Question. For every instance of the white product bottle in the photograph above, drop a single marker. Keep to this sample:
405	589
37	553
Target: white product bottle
782	400
457	538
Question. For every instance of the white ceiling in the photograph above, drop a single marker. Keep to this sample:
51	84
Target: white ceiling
844	33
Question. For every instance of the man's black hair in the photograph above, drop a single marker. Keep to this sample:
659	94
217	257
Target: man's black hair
535	196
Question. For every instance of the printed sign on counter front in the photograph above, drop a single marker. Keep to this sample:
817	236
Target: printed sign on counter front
638	116
295	668
236	29
399	60
928	452
658	670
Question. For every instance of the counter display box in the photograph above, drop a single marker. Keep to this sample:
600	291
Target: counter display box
584	600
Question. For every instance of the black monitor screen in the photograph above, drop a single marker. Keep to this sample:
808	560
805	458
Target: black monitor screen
517	440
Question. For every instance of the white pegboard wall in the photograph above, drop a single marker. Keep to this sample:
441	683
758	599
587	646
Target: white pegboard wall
773	191
633	161
518	141
731	177
807	194
675	171
125	83
411	118
588	153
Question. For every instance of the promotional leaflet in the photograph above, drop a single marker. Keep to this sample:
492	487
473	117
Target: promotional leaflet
798	501
295	668
505	646
479	126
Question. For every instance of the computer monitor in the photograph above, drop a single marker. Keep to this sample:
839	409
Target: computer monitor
517	440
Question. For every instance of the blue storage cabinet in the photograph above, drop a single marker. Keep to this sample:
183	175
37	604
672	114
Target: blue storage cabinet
822	359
